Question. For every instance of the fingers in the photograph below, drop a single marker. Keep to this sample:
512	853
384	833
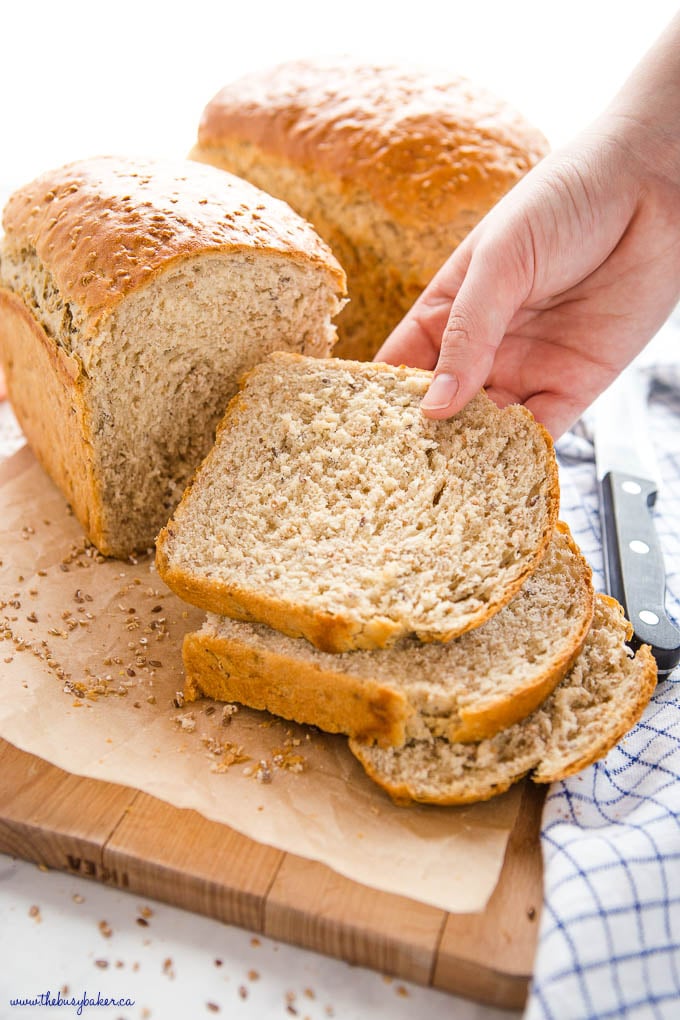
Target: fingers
483	307
416	341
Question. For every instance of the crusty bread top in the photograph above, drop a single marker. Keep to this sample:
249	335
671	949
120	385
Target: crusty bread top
331	508
418	142
104	227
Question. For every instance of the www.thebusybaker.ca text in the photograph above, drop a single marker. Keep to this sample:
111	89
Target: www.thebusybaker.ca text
79	1004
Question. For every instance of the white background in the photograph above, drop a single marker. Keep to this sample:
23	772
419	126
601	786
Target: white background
82	79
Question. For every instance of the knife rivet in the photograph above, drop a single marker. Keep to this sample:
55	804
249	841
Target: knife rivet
647	616
632	488
637	546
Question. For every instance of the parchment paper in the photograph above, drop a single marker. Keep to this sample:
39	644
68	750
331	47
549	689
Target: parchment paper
90	670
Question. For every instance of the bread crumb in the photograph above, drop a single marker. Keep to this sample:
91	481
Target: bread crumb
34	912
186	722
168	968
243	991
106	929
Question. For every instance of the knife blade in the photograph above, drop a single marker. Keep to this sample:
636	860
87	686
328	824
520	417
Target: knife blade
628	484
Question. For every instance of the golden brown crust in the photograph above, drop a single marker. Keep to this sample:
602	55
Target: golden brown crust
334	701
41	375
104	227
421	144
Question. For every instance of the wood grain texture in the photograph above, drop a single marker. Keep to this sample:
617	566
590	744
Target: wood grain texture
182	858
313	906
131	840
57	819
489	956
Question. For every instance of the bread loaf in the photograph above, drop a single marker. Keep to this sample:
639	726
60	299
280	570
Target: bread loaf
331	508
133	295
393	167
468	689
599	700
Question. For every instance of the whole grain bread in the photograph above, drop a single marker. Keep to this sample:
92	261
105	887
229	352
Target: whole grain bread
468	689
392	165
133	294
331	508
599	700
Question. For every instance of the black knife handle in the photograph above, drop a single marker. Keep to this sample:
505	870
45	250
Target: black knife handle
633	562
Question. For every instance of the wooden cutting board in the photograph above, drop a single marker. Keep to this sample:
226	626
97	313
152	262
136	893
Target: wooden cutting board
133	841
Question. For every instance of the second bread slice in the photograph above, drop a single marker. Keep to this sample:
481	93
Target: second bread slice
331	509
466	690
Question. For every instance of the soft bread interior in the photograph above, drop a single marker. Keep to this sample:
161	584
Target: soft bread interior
329	494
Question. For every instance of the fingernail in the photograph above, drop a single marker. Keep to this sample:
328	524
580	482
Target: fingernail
441	392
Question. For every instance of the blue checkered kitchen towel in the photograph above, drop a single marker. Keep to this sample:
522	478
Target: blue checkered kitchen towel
609	941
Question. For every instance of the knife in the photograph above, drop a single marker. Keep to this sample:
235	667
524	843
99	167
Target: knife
628	484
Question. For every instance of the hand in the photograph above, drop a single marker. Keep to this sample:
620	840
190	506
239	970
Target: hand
564	281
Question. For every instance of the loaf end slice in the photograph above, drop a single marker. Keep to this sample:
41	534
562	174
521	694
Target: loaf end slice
467	689
600	699
330	508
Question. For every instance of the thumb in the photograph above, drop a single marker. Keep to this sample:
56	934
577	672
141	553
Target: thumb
486	302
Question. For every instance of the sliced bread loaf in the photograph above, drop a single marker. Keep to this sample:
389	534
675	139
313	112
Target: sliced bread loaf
331	508
133	295
598	701
392	165
468	689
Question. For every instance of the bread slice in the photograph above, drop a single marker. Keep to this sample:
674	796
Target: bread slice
331	508
599	700
393	165
133	295
468	689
